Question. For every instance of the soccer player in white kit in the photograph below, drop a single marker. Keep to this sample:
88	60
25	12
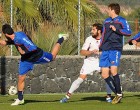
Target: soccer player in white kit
90	50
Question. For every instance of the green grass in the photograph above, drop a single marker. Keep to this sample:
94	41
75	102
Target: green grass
88	101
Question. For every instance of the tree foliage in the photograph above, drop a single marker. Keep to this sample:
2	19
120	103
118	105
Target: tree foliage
36	17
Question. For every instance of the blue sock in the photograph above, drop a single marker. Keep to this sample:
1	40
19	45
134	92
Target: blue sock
60	40
20	95
110	83
117	83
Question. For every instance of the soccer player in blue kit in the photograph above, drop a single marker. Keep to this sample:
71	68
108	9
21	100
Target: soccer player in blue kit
30	55
115	27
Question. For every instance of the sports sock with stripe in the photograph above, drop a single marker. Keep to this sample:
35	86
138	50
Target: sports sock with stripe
117	83
20	95
60	40
111	84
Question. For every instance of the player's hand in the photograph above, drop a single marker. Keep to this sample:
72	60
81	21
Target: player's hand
100	52
134	42
2	42
95	51
113	27
20	50
138	44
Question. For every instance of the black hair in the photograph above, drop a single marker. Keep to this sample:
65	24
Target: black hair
7	29
98	26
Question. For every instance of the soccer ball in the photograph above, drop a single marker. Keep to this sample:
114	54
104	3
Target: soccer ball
12	90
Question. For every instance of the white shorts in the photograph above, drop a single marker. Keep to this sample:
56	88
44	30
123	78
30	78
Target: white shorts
90	66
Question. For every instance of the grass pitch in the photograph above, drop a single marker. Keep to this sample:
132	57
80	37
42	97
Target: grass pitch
79	101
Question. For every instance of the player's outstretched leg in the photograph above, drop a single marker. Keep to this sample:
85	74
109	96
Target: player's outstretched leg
73	87
57	46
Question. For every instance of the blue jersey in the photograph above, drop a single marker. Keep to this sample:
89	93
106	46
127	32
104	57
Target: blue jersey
136	37
113	40
32	52
24	42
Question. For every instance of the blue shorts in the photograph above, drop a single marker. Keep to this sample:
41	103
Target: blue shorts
25	66
110	58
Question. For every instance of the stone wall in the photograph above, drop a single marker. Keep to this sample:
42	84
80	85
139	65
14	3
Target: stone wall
57	76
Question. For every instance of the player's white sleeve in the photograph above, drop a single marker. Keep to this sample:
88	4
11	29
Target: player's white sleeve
86	44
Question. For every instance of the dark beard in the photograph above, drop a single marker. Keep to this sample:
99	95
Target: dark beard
8	39
95	36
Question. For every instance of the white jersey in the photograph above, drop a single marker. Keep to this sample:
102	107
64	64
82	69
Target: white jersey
91	63
91	44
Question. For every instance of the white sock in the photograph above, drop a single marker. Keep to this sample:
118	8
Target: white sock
75	85
67	96
119	94
108	90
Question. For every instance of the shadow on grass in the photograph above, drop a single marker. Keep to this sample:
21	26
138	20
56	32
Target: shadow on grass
137	96
95	98
91	98
37	101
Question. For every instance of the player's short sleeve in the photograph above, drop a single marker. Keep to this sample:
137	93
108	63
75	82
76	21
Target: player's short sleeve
28	44
86	44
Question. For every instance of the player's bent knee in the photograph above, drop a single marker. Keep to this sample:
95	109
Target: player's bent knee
53	56
21	78
83	76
